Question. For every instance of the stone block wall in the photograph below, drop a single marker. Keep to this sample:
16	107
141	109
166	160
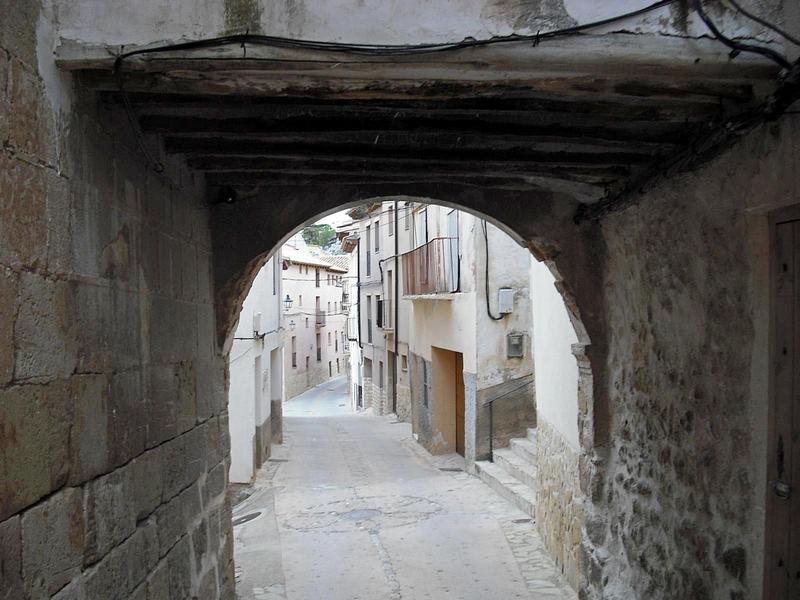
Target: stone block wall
113	424
559	503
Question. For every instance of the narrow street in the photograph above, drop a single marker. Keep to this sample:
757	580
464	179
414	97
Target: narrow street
350	507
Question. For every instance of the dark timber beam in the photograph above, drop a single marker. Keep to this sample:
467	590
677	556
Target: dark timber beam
334	165
649	138
250	147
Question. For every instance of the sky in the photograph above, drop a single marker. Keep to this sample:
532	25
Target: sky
336	219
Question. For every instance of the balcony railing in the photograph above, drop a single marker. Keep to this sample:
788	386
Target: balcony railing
432	268
321	318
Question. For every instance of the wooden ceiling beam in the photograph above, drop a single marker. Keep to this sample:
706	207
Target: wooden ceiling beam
649	138
254	147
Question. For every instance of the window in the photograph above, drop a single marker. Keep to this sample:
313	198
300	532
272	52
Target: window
274	277
336	343
368	256
380	374
404	362
338	370
377	237
306	363
390	225
407	218
329	308
306	322
319	348
378	311
316	276
300	301
329	338
330	369
294	352
369	319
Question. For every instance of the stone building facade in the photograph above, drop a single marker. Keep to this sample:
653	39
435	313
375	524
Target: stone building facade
315	338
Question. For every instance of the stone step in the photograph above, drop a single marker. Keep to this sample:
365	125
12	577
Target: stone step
532	435
519	468
507	486
524	448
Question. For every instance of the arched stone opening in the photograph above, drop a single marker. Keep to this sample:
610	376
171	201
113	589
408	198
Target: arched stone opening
550	234
245	234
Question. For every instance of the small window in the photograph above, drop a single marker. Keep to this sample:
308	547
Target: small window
407	218
390	225
404	362
306	322
299	300
377	236
329	338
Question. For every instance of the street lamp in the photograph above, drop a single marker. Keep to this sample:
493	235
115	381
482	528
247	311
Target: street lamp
287	303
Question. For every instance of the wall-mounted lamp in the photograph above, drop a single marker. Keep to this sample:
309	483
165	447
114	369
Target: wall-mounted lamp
287	302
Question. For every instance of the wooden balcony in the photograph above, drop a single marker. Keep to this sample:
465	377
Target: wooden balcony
432	268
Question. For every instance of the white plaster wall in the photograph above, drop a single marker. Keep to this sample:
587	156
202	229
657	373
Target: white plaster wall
400	21
509	266
556	371
244	414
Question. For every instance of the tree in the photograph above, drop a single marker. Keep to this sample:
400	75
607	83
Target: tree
319	235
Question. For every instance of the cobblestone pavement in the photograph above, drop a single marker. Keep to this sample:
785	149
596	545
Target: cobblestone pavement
350	507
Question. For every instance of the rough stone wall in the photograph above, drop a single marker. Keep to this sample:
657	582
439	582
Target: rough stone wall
113	425
403	403
380	402
680	514
559	505
368	391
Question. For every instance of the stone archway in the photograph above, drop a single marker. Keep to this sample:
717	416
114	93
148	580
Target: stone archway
246	232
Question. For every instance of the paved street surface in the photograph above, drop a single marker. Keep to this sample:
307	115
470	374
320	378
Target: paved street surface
350	507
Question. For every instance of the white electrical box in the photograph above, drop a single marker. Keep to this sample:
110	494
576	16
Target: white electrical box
505	300
256	322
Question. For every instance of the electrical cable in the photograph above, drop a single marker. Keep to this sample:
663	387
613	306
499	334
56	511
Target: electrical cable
737	46
488	309
765	23
382	49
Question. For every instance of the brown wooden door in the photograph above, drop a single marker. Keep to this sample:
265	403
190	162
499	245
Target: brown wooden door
459	373
782	554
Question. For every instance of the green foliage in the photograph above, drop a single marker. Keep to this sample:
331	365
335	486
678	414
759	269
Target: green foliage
319	235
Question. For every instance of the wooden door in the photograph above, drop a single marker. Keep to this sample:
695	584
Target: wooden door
459	385
782	556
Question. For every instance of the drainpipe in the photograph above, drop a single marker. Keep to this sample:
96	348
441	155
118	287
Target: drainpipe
358	290
396	290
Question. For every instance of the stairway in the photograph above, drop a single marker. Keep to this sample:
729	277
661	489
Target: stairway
513	472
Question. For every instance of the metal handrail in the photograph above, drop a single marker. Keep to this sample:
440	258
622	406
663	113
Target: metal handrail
490	404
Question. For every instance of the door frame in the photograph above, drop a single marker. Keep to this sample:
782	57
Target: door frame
782	215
